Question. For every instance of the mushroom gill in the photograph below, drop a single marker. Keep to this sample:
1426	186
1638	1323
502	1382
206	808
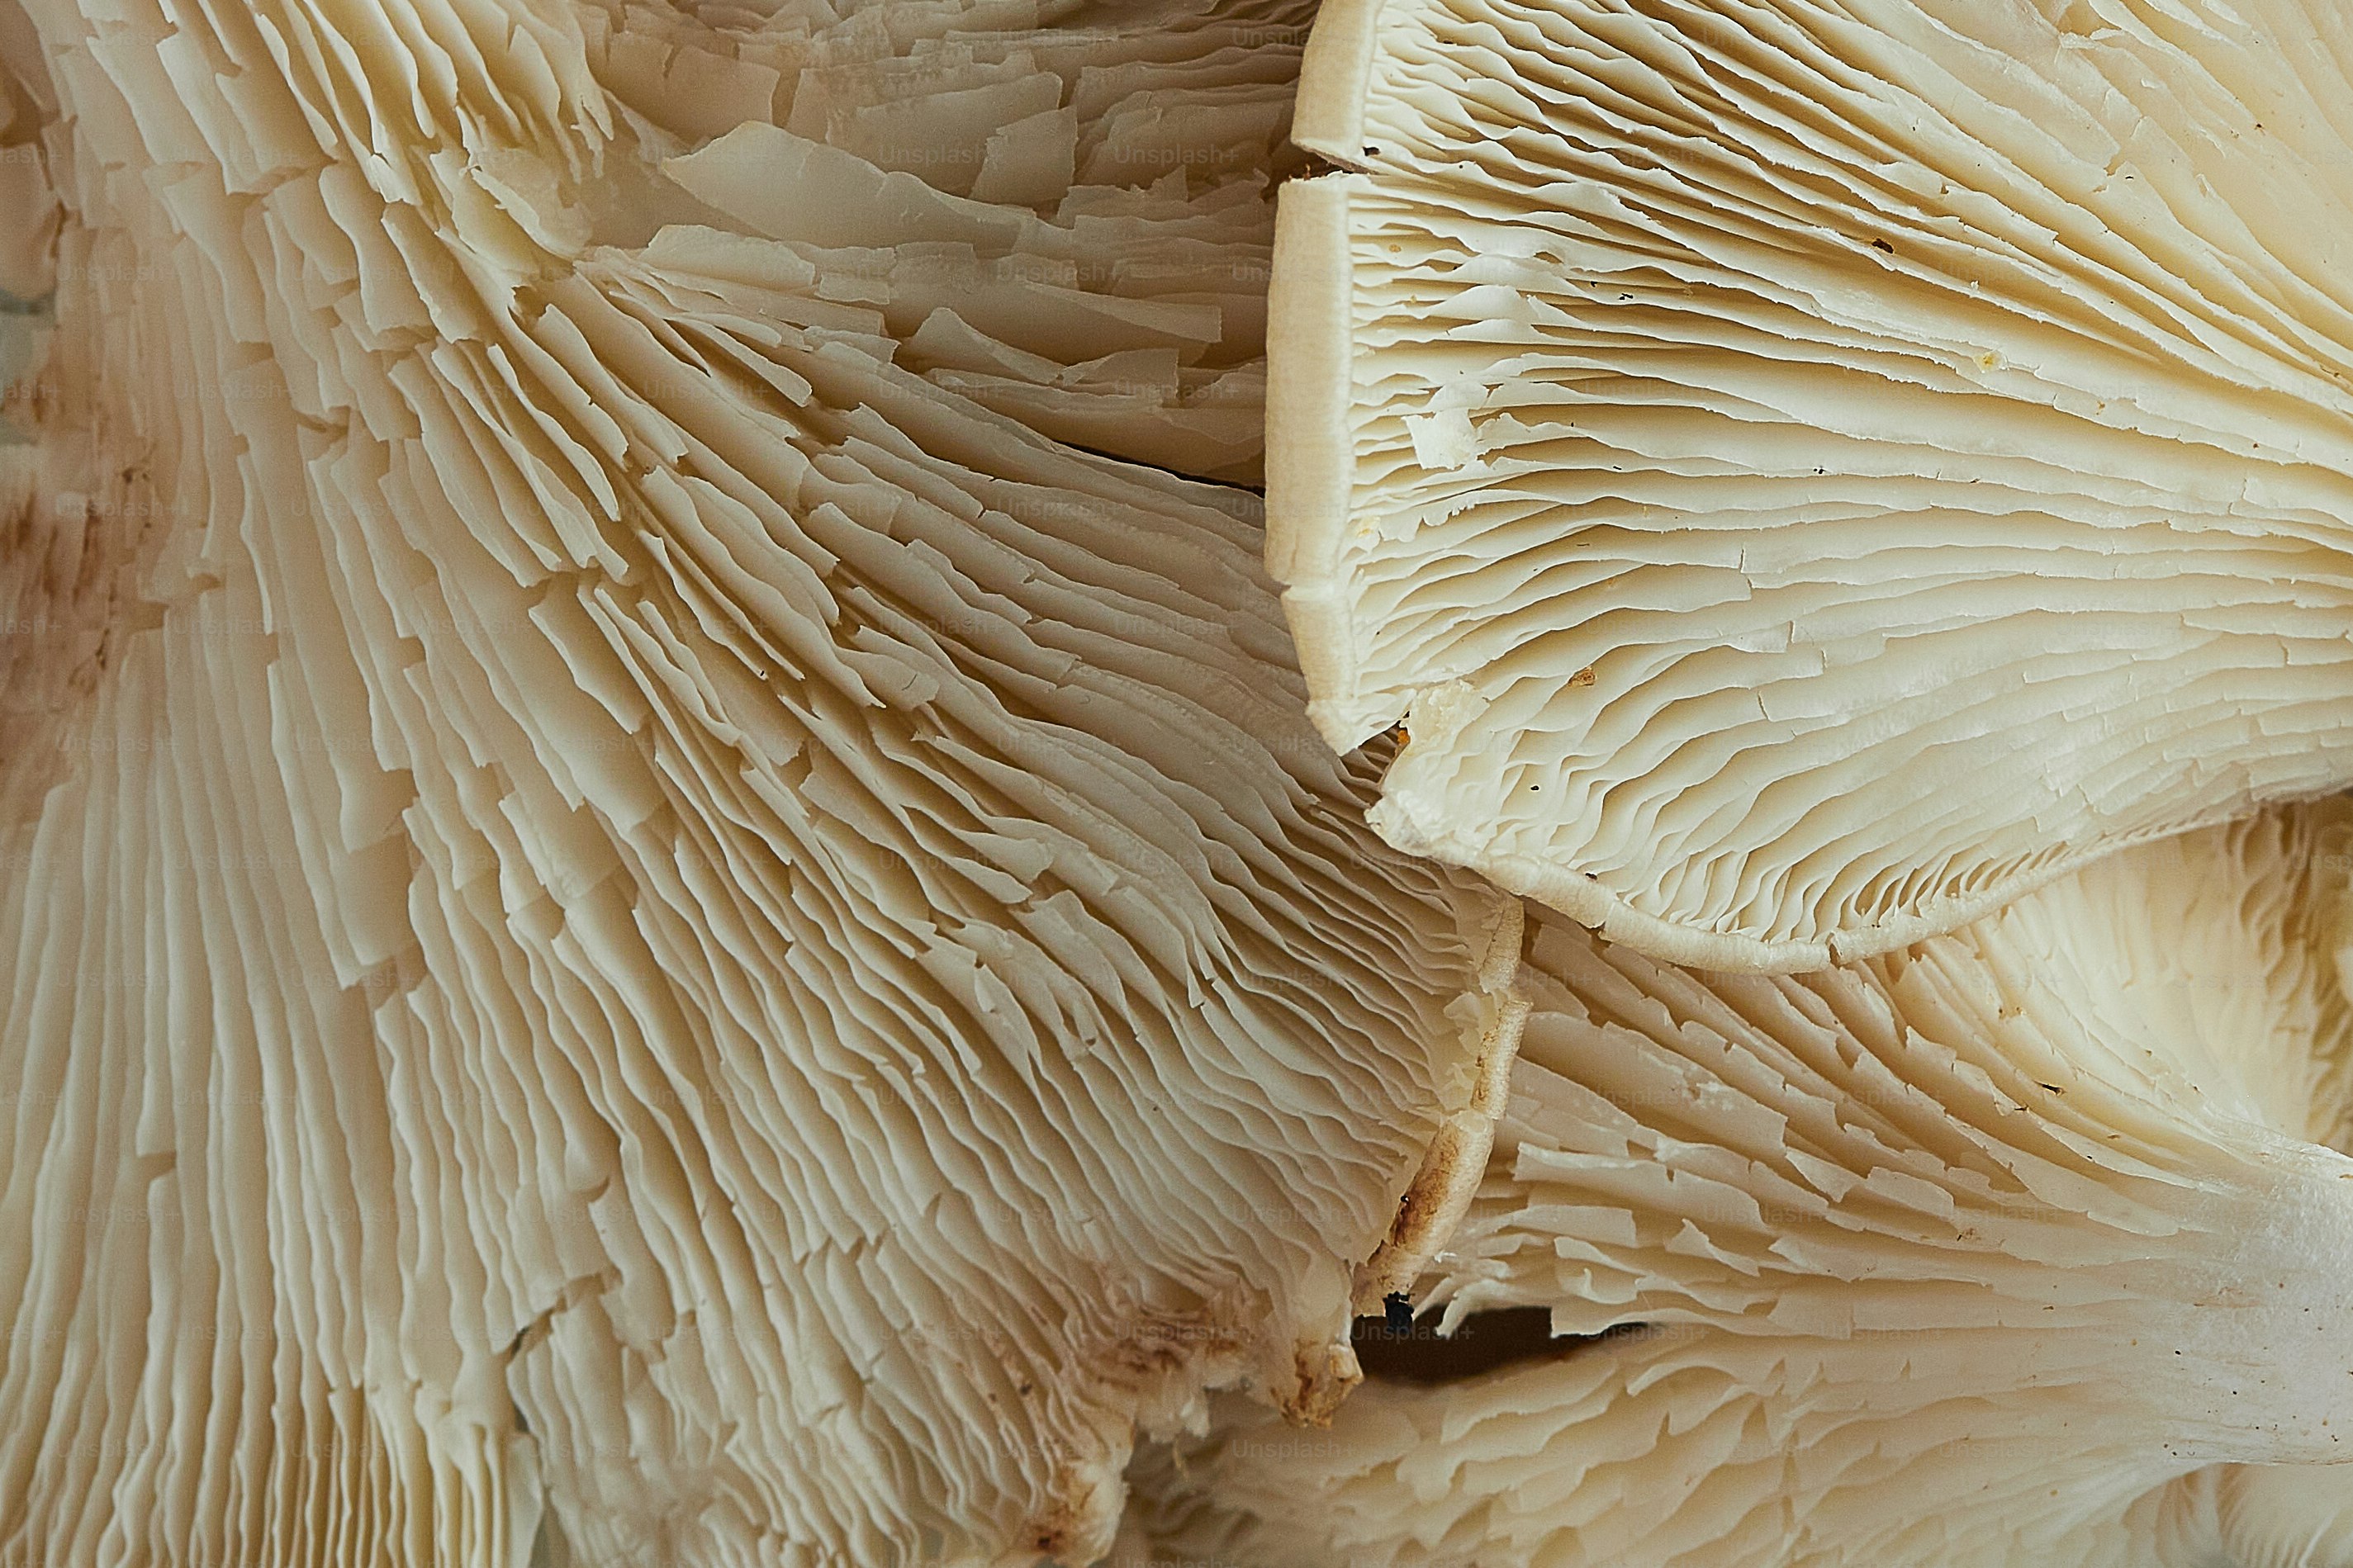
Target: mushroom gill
1805	473
2025	1245
651	921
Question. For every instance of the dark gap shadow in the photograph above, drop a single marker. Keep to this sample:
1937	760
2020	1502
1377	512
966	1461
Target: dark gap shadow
1482	1343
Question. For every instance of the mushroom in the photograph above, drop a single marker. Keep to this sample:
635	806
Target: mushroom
640	925
2025	1245
1802	475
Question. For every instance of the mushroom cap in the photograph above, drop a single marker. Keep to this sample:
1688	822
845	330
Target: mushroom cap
1803	476
648	930
2025	1245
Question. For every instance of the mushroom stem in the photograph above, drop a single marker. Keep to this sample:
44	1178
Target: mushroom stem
2261	1331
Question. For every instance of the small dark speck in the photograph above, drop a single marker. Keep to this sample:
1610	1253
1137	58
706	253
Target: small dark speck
1883	244
2055	1088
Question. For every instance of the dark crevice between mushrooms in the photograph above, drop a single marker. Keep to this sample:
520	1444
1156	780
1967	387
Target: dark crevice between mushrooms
1399	1349
1250	482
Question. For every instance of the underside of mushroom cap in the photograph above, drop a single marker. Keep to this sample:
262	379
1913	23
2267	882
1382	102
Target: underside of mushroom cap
2024	1246
1802	475
653	930
1061	210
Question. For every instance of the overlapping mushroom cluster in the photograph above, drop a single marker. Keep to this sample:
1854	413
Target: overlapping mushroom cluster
672	895
2014	1247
